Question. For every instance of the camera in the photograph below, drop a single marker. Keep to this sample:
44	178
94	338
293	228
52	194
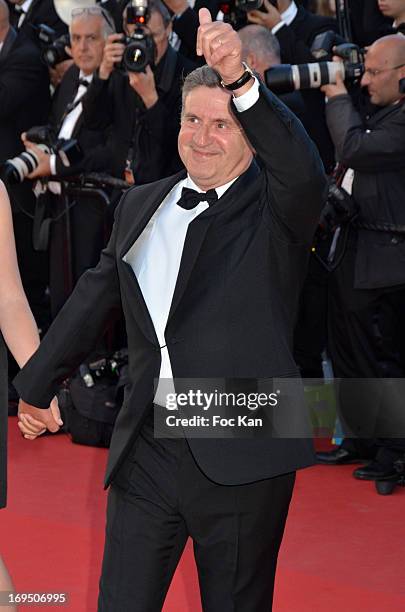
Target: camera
15	170
140	47
286	78
340	209
52	46
235	11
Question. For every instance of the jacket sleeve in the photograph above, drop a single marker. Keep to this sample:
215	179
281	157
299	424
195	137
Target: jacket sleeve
296	181
296	50
75	330
157	132
19	80
376	149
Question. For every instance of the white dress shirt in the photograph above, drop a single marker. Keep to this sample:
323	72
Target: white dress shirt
23	9
69	124
287	17
156	255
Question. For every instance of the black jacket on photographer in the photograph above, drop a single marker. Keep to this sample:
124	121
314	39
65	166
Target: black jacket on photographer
24	101
39	12
375	150
87	217
145	137
295	48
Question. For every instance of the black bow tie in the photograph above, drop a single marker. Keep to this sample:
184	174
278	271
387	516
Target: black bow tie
82	82
191	198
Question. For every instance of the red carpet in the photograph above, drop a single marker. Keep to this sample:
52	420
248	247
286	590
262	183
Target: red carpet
343	551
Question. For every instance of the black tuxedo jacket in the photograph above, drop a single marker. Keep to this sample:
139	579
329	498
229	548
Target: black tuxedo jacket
234	304
40	12
95	144
150	133
24	92
295	47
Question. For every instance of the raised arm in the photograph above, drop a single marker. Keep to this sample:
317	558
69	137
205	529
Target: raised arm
296	180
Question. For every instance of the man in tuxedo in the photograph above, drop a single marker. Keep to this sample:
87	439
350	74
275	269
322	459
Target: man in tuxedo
24	101
88	32
142	108
207	265
27	15
367	295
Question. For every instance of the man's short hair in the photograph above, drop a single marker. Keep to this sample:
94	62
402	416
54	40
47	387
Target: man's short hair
108	26
200	77
157	6
260	41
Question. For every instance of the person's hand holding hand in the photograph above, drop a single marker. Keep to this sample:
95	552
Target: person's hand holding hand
33	421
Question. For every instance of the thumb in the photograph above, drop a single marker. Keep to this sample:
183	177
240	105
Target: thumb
56	412
204	16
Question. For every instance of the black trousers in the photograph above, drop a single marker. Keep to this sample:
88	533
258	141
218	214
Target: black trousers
159	498
366	339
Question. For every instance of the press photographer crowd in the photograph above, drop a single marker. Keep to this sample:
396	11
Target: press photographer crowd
90	103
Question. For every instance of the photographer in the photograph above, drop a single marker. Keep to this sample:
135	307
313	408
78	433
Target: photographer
24	101
296	29
367	295
261	50
142	106
88	31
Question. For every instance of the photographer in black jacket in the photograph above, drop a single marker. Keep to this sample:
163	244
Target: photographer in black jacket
143	107
367	289
296	29
88	31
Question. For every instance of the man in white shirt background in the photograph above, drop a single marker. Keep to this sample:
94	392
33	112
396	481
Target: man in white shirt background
88	31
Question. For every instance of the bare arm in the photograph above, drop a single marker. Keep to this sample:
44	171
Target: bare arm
16	321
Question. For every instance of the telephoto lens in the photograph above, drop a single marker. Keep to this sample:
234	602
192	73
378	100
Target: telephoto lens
15	170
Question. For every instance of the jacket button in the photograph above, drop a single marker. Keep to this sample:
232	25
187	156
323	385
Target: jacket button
173	341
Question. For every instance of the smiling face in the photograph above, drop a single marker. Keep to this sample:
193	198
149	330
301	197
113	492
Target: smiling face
212	144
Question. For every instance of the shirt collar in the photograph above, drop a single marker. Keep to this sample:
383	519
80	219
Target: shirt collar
86	77
24	7
289	14
220	190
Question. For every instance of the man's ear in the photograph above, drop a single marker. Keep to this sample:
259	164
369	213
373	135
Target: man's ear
251	60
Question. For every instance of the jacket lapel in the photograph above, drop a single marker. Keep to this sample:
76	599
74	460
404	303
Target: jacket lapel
197	230
8	43
192	246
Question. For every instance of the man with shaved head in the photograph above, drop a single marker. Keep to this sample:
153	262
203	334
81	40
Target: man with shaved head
367	305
